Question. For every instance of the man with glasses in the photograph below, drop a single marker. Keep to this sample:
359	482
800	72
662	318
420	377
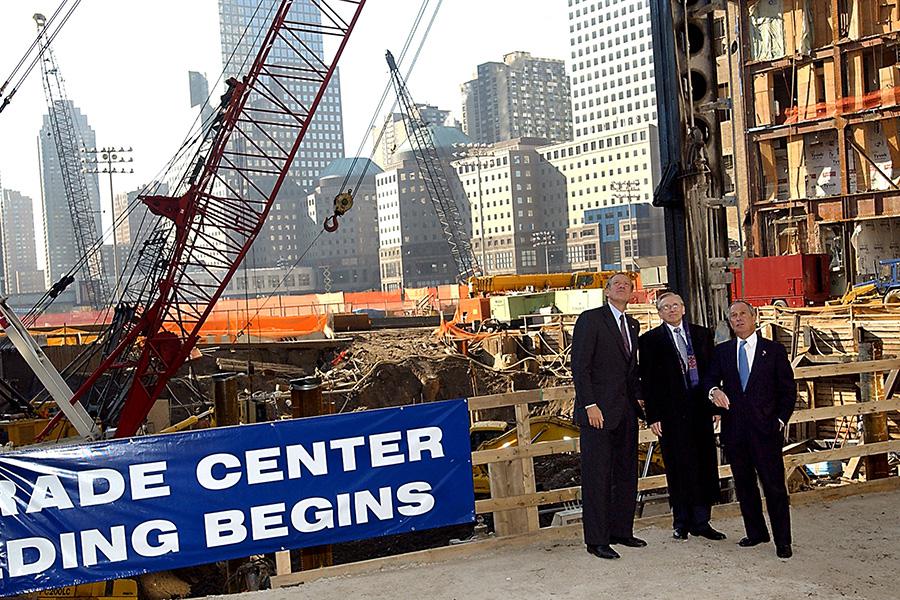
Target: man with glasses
751	383
674	357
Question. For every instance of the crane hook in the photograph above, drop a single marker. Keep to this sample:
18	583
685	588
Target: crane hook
343	202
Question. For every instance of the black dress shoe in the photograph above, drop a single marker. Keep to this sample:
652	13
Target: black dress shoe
680	534
784	551
748	543
709	533
602	551
631	542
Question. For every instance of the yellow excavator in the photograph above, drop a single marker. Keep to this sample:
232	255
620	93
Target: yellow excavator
544	428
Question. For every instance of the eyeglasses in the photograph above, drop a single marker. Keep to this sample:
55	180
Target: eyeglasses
672	306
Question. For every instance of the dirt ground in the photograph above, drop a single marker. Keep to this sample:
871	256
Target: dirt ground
848	548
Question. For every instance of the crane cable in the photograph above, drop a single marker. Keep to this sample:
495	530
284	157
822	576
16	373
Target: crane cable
412	33
35	43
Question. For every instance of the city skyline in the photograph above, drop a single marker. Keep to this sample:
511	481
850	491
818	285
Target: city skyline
137	90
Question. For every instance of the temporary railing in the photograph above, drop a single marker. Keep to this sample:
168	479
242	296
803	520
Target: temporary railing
514	498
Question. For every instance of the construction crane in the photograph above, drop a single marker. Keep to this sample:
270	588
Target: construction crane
437	185
68	150
205	227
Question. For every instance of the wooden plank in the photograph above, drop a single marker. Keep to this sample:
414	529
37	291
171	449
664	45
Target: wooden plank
845	410
851	368
521	397
529	484
538	499
568	532
283	562
890	384
808	458
484	457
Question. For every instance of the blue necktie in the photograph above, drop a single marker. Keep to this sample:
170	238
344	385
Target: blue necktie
743	365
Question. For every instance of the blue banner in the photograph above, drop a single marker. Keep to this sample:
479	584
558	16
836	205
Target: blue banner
105	510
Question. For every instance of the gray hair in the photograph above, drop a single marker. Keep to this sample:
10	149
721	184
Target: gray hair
745	303
623	274
665	295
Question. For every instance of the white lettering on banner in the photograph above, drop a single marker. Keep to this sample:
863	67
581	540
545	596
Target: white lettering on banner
385	449
224	528
94	487
323	517
425	438
147	480
167	540
227	527
8	498
15	556
48	493
348	447
263	520
114	549
221	471
296	455
32	555
205	468
262	466
415	495
87	487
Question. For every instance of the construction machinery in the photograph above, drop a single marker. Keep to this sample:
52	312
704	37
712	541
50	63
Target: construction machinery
204	224
69	149
544	428
437	185
577	280
885	285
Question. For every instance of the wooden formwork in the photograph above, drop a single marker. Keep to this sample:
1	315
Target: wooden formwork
514	498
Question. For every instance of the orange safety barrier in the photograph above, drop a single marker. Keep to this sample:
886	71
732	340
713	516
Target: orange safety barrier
850	104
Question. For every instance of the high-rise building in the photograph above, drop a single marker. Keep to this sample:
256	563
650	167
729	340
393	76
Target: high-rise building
243	25
391	134
613	85
501	184
413	250
346	260
523	96
60	248
607	171
19	252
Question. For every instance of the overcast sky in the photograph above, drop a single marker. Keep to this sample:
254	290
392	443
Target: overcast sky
125	65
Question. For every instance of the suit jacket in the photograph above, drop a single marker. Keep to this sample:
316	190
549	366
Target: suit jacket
665	390
770	395
604	373
688	441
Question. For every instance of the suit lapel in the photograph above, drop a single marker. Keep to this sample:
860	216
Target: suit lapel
614	329
732	361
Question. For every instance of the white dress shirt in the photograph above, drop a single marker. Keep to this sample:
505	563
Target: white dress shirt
750	348
617	314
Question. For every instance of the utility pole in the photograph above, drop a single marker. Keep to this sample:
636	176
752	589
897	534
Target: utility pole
545	239
109	160
477	152
628	190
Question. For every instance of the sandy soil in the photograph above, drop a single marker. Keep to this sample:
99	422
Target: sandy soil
846	549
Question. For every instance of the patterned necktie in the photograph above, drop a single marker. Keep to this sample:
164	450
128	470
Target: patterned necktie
743	365
624	330
682	348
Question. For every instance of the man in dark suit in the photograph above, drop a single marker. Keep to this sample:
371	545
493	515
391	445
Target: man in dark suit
674	357
605	373
752	384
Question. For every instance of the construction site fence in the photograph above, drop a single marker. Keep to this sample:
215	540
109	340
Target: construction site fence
514	498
